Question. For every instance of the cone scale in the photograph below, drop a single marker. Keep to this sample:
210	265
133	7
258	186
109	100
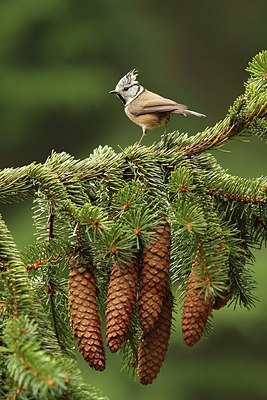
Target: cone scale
196	311
154	277
84	316
154	343
122	291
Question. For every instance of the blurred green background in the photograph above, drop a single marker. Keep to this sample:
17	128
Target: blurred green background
59	59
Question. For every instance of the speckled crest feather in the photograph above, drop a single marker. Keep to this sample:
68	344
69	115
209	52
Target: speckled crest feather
128	79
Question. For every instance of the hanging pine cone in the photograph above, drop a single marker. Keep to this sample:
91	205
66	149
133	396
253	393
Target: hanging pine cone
154	277
196	311
154	343
122	290
84	316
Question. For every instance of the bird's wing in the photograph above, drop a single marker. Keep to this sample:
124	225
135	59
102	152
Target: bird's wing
149	102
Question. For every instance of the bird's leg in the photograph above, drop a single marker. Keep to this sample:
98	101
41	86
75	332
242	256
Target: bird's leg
143	135
165	135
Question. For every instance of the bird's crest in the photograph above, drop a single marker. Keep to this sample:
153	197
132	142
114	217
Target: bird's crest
129	79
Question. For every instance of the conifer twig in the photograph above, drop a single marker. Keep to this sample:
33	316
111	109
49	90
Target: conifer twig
106	213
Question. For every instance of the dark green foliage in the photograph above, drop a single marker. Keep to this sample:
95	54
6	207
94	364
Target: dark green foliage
104	208
34	373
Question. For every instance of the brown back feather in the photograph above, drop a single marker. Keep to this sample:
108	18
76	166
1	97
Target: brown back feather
149	102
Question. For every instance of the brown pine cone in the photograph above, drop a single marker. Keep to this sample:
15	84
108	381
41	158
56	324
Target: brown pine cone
154	277
154	343
196	311
84	316
122	291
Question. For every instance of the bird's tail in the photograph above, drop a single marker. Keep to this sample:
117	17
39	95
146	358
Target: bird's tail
196	114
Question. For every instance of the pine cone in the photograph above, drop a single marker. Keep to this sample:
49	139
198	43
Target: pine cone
122	291
154	277
196	311
84	316
154	343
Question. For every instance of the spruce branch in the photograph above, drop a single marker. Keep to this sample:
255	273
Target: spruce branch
43	176
222	185
248	110
29	366
128	225
15	184
231	126
36	373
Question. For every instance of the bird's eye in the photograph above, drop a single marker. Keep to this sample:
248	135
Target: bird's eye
125	88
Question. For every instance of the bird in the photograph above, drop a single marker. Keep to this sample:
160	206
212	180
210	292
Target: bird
147	109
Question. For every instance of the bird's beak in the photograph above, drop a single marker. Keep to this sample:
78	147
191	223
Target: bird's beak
113	92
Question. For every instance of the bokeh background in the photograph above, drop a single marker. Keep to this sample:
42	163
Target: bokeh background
59	59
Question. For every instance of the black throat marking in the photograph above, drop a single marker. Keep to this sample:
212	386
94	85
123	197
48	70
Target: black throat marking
121	98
